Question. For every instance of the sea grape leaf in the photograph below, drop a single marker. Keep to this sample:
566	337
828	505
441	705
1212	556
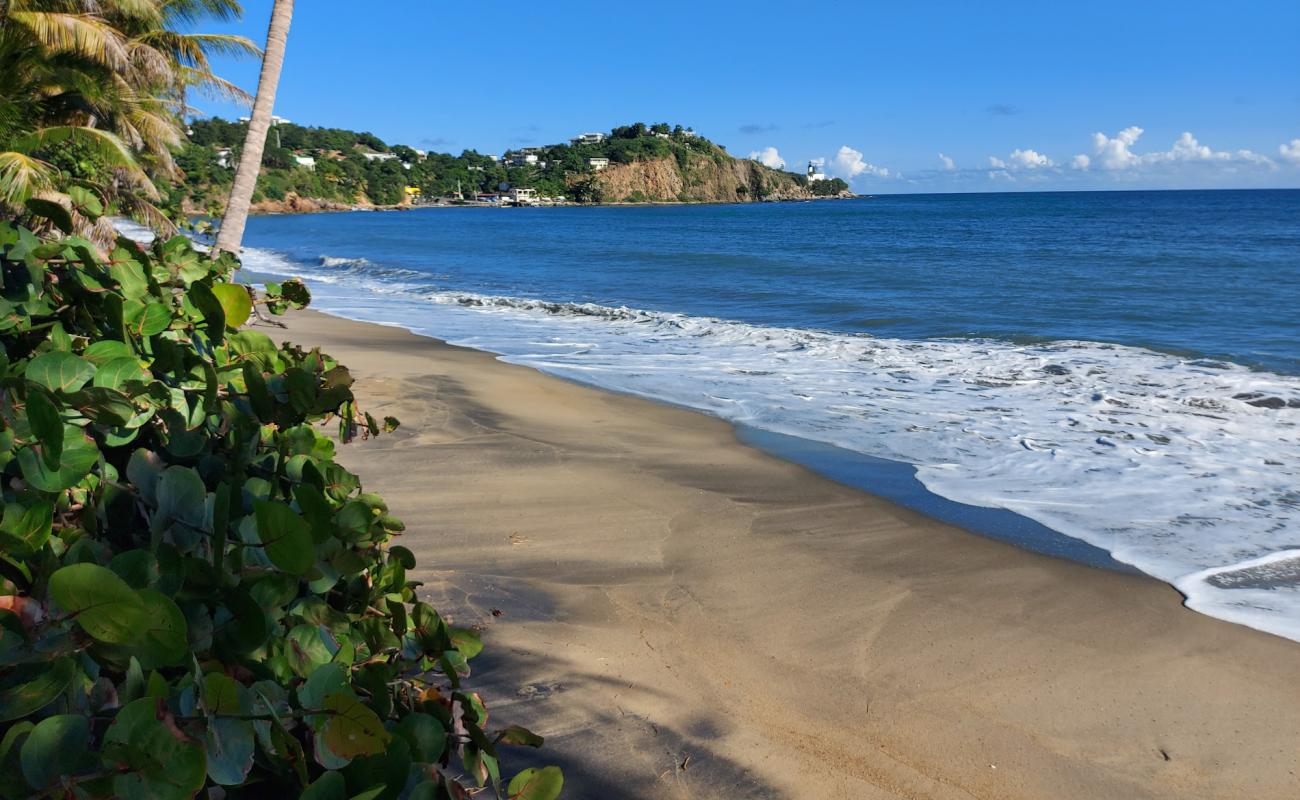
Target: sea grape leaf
59	371
536	784
47	426
235	301
27	697
79	456
468	642
230	745
163	639
164	764
57	747
286	537
54	212
425	734
114	373
329	786
28	527
307	650
101	603
515	734
353	729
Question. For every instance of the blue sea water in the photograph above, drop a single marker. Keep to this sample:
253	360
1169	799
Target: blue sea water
1120	367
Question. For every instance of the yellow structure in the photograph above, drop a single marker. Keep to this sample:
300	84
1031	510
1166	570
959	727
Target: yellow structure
413	190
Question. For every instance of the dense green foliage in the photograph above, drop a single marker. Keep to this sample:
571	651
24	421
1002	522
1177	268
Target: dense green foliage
343	174
91	94
193	592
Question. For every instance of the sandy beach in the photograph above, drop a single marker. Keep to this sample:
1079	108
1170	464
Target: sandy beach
683	616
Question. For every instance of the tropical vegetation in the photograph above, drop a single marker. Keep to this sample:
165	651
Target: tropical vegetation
195	596
346	171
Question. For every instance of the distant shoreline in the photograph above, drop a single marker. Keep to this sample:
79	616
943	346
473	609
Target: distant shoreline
295	205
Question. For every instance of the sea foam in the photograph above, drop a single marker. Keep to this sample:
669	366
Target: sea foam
1187	469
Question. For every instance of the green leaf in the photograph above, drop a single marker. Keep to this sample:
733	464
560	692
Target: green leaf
468	642
129	275
79	456
164	764
101	603
54	212
164	638
286	537
86	202
329	786
143	470
235	302
213	314
230	745
536	784
58	747
59	371
28	697
402	556
28	527
514	734
353	729
47	426
425	735
306	649
106	350
115	372
148	320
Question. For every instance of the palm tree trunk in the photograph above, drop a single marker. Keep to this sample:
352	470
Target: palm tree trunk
250	160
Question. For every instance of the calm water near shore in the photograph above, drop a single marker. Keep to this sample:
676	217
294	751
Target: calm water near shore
1122	368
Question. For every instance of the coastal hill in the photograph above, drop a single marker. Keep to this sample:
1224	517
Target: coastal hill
310	169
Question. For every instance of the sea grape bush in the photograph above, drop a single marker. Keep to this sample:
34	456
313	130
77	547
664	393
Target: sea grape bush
194	596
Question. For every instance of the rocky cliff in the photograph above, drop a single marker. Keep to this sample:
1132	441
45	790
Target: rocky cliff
695	178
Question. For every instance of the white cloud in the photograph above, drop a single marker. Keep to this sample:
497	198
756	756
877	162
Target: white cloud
768	157
1021	159
1030	159
949	165
1290	151
849	164
1117	153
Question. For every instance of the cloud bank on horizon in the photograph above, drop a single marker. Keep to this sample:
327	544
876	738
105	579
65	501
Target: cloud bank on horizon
1114	158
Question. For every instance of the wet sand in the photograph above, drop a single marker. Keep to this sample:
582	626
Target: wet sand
683	616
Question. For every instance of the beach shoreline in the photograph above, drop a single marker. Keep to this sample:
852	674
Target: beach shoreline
683	615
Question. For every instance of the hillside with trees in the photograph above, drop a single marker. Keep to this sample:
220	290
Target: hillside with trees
358	168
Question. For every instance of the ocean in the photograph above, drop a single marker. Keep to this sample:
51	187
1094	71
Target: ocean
1119	370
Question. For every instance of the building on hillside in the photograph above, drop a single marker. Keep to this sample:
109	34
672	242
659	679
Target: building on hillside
524	159
689	133
379	156
274	120
523	197
598	164
412	191
306	161
661	135
224	158
814	173
588	138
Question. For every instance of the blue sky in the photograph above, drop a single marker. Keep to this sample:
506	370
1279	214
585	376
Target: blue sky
897	96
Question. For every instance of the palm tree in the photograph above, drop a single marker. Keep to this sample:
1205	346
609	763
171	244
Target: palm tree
105	78
250	160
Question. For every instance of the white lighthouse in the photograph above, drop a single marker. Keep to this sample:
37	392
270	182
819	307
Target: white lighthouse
813	174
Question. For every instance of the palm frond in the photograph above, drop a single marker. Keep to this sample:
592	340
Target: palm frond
22	176
216	88
107	146
87	36
194	10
